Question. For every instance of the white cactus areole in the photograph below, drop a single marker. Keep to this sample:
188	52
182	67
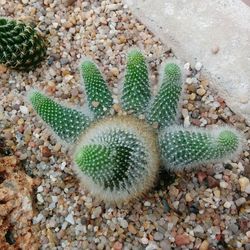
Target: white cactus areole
117	155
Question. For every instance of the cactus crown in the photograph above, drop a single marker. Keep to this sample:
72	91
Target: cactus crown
118	156
21	47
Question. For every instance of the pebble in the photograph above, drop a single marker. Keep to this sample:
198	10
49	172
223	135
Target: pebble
189	80
215	49
24	110
70	219
132	229
147	204
192	96
3	68
40	198
198	66
40	189
158	236
201	92
223	184
212	182
182	239
117	246
96	212
38	218
188	197
46	152
244	182
123	223
227	204
144	241
204	245
247	189
240	201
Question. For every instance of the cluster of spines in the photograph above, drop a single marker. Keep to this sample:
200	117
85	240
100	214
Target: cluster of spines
21	47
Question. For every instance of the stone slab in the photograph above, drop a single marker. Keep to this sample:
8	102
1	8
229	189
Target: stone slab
215	33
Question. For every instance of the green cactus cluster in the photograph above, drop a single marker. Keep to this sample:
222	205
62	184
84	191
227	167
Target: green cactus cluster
118	156
21	46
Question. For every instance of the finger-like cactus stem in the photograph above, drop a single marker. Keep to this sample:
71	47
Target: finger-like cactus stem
164	108
67	123
136	89
189	147
99	97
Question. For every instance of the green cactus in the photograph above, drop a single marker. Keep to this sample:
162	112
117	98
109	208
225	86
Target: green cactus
181	148
99	97
136	89
21	47
164	108
67	123
118	156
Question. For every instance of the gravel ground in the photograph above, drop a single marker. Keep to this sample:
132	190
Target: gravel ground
203	209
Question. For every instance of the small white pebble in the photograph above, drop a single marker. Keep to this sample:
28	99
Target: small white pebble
70	219
223	184
24	110
187	66
40	189
189	80
144	241
38	218
40	198
123	223
227	204
147	204
198	66
247	189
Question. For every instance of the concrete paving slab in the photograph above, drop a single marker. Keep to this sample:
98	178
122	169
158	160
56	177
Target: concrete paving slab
215	33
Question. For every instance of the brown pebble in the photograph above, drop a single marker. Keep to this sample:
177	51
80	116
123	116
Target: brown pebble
201	176
212	182
116	107
182	239
215	49
3	69
117	246
201	91
132	229
204	245
46	152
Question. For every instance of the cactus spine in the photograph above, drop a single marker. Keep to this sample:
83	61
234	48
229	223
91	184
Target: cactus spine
21	47
117	157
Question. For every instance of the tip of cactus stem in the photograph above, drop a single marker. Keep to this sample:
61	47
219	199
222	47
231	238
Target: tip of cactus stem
88	66
172	71
228	140
135	56
36	98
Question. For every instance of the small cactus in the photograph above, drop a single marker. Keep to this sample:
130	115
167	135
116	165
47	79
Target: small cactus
21	47
118	156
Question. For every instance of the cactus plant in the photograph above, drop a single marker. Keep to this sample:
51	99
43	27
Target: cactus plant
21	46
118	156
